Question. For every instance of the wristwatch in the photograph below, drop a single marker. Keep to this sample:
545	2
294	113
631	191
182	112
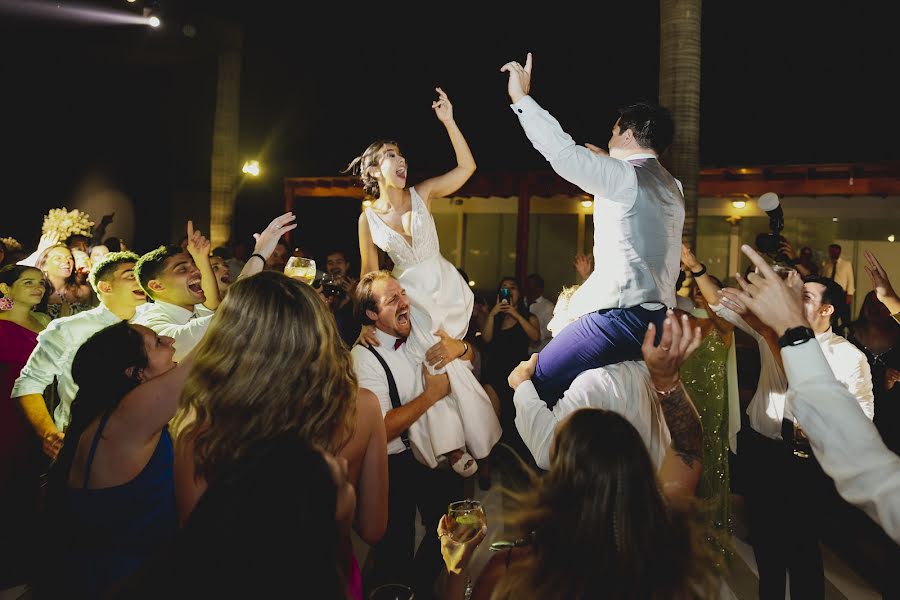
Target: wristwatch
796	336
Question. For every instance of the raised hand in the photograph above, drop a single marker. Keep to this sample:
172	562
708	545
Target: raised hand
774	301
584	264
442	107
519	83
457	554
688	259
197	245
51	238
268	238
884	291
677	343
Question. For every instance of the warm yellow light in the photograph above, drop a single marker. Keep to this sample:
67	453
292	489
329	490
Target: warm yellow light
471	283
154	22
587	203
367	203
251	167
891	238
834	219
739	203
131	1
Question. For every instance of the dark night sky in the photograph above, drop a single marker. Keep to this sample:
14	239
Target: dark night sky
780	84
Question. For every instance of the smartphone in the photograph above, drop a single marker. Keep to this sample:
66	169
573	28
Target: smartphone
505	295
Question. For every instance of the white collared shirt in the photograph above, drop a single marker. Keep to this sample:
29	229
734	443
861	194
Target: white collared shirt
844	275
845	442
850	367
370	375
637	246
186	327
54	353
623	388
543	310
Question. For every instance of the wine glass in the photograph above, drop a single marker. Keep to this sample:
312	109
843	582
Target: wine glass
465	519
301	268
782	271
392	591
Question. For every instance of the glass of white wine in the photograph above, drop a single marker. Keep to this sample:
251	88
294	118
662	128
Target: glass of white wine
301	268
465	519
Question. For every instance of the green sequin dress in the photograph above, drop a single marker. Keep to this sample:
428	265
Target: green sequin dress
705	378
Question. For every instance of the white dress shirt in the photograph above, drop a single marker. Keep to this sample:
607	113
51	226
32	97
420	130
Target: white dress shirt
844	275
54	353
637	245
370	375
850	367
844	441
623	388
185	326
543	310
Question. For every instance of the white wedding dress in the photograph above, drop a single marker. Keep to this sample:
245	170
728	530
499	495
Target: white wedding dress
439	299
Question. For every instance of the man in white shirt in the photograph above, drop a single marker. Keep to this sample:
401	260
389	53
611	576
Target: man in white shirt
639	215
121	298
649	394
381	301
841	271
844	441
539	307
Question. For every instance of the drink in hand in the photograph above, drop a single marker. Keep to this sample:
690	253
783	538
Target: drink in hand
301	268
465	519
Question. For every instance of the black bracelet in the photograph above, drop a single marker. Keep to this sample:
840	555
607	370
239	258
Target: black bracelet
259	256
701	272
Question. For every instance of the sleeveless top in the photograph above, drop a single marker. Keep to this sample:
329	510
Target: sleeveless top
115	529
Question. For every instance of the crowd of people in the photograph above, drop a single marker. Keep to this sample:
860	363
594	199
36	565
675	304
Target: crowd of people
193	421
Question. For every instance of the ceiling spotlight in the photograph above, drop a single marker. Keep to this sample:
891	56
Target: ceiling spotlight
739	203
834	219
471	283
251	167
154	22
891	238
587	203
131	1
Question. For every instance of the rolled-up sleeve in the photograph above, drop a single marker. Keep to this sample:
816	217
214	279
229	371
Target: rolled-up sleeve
843	439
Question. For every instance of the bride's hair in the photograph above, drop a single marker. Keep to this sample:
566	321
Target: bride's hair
370	157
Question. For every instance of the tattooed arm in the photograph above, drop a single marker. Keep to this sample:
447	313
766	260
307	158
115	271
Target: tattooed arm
682	466
683	463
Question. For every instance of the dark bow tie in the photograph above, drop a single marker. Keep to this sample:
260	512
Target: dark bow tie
399	342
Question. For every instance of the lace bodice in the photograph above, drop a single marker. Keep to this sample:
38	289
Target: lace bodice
424	246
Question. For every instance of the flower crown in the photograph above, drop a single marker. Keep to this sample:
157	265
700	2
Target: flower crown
67	223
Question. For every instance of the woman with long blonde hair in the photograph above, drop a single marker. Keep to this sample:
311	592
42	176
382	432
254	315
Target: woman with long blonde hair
272	363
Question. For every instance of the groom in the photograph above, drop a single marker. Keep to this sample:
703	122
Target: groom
639	215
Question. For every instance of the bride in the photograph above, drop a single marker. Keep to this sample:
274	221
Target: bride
463	426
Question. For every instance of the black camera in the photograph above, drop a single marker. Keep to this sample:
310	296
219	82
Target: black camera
770	242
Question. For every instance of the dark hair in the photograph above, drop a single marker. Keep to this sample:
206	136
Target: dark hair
337	251
364	296
682	275
103	270
838	246
651	123
280	492
222	252
522	306
834	295
370	157
11	273
101	370
113	243
152	264
77	236
598	520
537	279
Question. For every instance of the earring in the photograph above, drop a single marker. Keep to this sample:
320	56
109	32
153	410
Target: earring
6	303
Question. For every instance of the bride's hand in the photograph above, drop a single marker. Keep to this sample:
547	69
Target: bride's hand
442	107
367	336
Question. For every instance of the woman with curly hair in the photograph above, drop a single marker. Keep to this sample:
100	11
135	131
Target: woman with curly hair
272	364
